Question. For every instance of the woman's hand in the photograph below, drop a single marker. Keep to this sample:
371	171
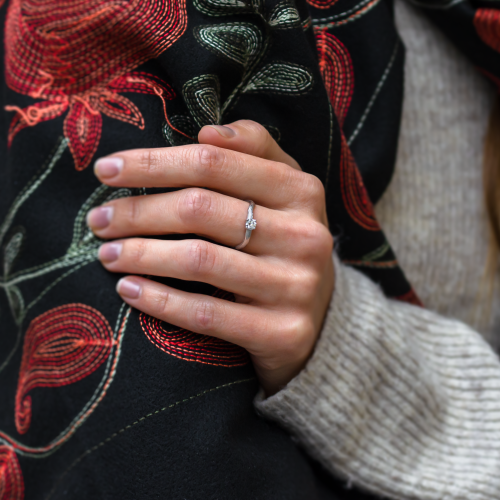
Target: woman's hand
282	280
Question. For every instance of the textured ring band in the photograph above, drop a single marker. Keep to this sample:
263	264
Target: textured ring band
250	225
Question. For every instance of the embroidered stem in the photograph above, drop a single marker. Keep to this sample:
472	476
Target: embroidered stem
137	422
88	409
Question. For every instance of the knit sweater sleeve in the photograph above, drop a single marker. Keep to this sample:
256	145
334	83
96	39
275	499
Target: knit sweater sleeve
396	399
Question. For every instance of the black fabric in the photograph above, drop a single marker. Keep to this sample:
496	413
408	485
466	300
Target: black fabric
112	414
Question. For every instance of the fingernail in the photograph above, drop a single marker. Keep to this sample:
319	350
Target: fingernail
108	167
225	132
110	252
100	217
128	288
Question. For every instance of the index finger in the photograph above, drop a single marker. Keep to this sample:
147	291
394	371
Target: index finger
268	183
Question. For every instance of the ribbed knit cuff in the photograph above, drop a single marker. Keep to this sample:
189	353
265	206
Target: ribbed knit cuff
396	399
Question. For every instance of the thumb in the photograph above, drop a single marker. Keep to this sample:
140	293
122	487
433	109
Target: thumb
247	137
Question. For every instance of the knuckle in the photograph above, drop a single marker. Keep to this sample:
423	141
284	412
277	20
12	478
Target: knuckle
314	239
201	257
256	130
149	161
296	330
205	316
209	160
302	287
195	203
315	187
136	251
159	304
132	210
311	191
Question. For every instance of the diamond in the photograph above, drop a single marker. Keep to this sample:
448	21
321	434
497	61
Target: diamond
251	224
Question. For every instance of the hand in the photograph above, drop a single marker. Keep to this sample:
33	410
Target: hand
282	280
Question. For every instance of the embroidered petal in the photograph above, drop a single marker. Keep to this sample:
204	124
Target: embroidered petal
239	43
61	346
202	96
120	108
336	68
139	82
322	4
354	195
11	478
191	346
281	78
84	44
487	24
82	128
34	114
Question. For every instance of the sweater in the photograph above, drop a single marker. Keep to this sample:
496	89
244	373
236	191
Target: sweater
396	399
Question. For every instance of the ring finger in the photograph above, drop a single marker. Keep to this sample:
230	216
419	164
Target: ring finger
194	211
196	260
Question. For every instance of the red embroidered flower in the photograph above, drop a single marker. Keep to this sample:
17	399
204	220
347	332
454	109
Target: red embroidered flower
322	4
336	68
11	478
61	346
335	65
487	24
77	56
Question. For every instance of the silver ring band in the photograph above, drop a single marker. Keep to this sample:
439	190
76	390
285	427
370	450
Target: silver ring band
250	225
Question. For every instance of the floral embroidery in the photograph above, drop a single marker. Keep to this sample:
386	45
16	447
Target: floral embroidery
336	69
239	43
487	24
322	4
11	478
61	346
202	96
190	346
78	57
281	78
338	76
284	16
356	199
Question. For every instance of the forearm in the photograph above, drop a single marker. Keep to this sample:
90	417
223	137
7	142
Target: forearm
397	399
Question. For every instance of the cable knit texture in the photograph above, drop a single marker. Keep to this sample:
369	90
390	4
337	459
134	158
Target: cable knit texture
397	399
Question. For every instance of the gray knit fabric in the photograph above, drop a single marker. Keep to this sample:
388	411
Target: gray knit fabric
397	399
433	213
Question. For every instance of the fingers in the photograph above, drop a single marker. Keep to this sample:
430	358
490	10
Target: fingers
196	211
268	183
247	137
240	324
196	260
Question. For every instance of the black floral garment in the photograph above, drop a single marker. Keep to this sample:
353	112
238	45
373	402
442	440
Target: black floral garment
97	400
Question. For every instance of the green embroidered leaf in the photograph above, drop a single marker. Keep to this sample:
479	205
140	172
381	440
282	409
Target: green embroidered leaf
236	42
284	16
377	253
16	303
202	96
11	249
281	78
223	7
183	124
